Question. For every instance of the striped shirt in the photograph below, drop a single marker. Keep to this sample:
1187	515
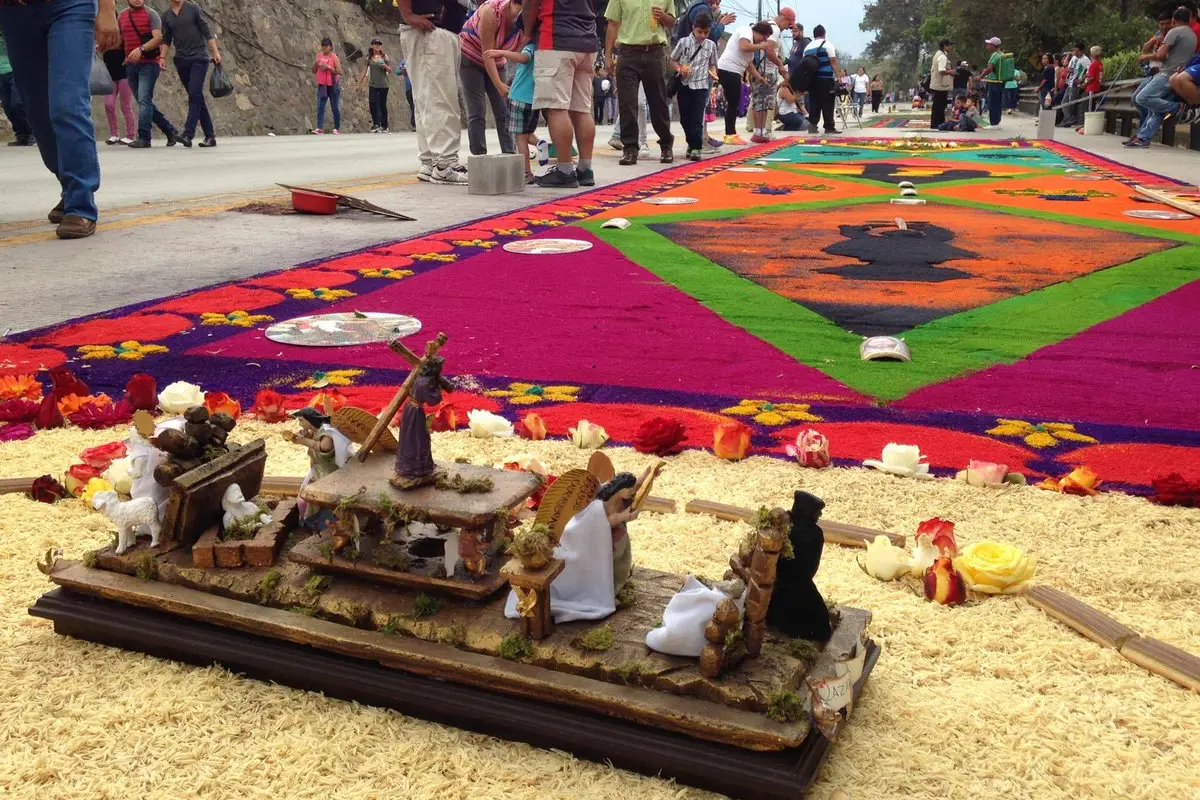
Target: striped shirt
699	57
507	32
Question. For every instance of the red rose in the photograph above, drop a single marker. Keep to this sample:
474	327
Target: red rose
268	406
19	410
1176	490
660	436
142	392
47	490
218	402
944	584
535	499
443	417
64	382
102	455
941	535
95	416
77	477
48	415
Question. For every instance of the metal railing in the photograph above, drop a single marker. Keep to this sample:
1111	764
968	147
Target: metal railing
1120	115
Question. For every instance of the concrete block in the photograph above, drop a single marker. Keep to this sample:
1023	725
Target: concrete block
1045	126
499	174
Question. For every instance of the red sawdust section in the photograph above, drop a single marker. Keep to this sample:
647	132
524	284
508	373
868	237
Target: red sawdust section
729	190
1021	194
1010	260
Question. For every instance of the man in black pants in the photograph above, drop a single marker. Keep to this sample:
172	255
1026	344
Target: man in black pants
736	58
639	31
824	81
941	81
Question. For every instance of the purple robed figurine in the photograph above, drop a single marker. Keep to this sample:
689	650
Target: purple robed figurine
414	457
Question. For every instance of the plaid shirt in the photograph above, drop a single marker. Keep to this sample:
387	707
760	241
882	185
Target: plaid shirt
699	57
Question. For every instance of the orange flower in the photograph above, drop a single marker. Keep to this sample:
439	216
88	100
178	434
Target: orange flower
327	401
532	427
13	387
73	403
944	584
1082	481
731	440
941	535
268	406
216	402
443	417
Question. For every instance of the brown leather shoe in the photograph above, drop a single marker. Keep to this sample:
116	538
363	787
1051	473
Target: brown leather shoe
56	213
73	227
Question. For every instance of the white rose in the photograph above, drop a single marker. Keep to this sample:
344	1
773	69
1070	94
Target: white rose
118	475
901	459
924	554
179	397
885	560
486	425
587	436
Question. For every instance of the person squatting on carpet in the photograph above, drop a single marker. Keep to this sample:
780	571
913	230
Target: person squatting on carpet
56	94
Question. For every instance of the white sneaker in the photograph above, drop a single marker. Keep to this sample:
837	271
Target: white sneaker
644	152
450	176
125	140
425	173
112	140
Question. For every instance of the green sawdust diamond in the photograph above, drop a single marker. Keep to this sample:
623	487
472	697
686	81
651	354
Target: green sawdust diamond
966	287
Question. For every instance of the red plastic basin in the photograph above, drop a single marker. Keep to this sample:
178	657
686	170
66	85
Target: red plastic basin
308	202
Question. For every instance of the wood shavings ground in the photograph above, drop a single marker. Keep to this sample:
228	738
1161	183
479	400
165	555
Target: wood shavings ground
993	699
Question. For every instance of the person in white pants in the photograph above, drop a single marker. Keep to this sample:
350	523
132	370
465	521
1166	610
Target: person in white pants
429	38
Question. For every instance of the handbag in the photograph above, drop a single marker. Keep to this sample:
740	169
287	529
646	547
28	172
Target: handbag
674	84
102	82
219	84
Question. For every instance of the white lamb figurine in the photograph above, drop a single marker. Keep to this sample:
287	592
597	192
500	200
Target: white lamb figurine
238	509
129	516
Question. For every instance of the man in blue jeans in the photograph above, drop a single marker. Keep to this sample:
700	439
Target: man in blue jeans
57	94
992	76
141	38
1155	100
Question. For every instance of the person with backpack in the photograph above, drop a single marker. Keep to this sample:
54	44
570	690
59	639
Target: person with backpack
693	58
817	74
992	75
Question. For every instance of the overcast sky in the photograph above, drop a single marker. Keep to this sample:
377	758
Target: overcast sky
840	18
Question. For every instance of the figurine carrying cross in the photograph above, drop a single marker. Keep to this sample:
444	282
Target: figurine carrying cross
423	386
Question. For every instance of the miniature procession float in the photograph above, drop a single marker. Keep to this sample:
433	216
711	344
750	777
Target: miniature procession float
435	588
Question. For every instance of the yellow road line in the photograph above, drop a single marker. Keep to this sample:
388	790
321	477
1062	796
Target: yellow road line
180	213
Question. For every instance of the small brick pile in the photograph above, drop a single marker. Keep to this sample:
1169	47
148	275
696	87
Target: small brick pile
209	551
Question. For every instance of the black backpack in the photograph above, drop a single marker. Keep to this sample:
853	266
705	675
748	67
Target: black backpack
802	76
683	25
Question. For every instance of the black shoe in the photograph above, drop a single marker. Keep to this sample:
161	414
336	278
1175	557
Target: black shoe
186	141
586	177
172	138
209	142
138	144
22	141
557	179
666	156
812	128
832	132
629	158
56	214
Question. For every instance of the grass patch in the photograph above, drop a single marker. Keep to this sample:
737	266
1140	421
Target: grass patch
359	615
391	557
242	528
453	635
326	550
803	649
627	597
598	639
266	587
735	644
425	606
785	706
457	483
307	611
89	559
392	626
515	647
316	585
347	503
147	567
658	623
630	672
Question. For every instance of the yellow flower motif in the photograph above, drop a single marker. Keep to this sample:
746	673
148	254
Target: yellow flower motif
570	214
769	413
386	272
443	257
473	243
333	377
546	223
514	231
130	350
525	394
238	319
1043	434
328	295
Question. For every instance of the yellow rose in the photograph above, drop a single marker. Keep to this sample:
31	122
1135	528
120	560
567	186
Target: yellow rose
995	567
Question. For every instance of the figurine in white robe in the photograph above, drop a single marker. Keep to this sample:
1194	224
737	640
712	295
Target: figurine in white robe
143	458
584	589
688	612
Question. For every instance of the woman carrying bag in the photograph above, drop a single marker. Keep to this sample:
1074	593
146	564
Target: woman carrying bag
184	27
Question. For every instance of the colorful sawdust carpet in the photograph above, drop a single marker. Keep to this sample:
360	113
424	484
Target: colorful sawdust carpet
1048	328
916	121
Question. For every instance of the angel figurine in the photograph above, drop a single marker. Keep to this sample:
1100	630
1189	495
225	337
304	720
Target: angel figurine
328	448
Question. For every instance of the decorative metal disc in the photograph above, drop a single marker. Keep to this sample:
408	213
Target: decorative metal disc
747	169
1156	213
670	201
548	247
343	329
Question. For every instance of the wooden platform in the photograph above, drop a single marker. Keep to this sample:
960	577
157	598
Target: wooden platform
648	750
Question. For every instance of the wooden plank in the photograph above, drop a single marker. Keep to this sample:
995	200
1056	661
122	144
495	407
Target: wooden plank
1164	659
281	485
309	554
659	505
684	715
440	506
16	485
195	501
781	775
1098	627
1172	197
834	532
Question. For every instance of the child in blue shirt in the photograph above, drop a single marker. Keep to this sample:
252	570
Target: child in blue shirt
522	119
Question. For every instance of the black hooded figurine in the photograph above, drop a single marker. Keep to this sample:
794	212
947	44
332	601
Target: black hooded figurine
797	608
